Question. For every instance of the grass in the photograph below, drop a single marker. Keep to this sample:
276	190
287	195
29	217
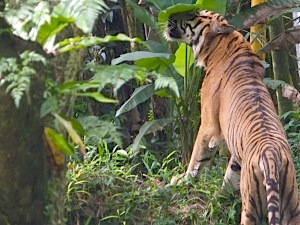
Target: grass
112	187
107	189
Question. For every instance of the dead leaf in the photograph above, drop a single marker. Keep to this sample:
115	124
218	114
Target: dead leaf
291	93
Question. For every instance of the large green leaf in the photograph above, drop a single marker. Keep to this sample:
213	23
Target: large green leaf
74	129
163	4
218	6
139	95
57	142
71	86
48	31
164	15
184	59
150	127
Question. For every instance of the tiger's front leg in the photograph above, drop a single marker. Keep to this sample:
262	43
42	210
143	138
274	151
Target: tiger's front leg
209	135
204	150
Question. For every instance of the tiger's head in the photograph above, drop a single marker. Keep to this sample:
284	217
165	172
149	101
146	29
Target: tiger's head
192	27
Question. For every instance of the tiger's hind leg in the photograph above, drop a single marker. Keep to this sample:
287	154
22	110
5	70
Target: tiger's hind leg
290	208
231	181
253	194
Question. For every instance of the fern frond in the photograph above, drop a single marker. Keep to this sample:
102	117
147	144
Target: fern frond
17	75
82	12
99	130
27	17
167	82
88	12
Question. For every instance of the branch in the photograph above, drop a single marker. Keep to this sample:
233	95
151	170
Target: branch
280	42
262	12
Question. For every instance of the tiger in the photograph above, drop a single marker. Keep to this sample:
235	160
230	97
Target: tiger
237	108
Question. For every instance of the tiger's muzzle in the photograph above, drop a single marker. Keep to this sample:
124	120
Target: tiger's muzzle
172	30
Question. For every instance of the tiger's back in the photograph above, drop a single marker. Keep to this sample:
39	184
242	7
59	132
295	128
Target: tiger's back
236	106
255	136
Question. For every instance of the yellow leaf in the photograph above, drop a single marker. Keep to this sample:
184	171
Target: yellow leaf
71	131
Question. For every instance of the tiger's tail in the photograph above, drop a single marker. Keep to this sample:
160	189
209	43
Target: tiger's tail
271	175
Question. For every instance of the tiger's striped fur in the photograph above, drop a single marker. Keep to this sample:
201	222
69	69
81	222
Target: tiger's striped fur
236	107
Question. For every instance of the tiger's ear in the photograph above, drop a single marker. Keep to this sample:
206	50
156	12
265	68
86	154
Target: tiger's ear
222	28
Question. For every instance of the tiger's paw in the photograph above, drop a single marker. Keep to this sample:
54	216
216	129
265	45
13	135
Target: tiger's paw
178	179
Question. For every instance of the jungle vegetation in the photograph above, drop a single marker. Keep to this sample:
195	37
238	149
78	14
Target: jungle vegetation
98	111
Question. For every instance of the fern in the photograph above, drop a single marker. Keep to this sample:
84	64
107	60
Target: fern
116	75
98	130
42	20
16	75
84	12
27	17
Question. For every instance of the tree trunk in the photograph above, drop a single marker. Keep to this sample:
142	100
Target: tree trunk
22	154
280	66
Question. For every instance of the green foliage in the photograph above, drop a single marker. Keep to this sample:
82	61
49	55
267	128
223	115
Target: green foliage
58	142
27	17
99	130
184	59
139	95
292	126
83	42
38	21
16	75
105	189
117	75
82	12
218	6
135	56
149	127
164	15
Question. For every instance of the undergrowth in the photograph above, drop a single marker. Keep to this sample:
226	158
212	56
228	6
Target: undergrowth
112	187
106	188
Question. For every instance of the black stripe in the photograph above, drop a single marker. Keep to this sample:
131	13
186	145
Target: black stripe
204	160
232	41
219	85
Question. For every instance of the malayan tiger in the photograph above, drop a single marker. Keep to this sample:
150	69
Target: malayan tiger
236	107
